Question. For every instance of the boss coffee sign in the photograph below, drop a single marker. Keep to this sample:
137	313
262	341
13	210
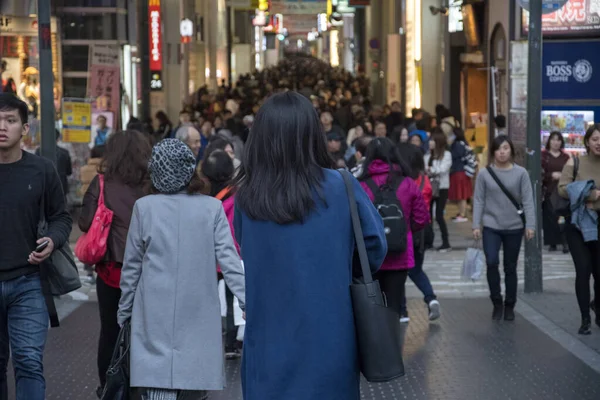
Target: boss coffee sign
571	70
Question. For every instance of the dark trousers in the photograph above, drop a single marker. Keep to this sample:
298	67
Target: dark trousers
230	329
440	207
420	279
108	304
586	257
553	233
392	285
510	241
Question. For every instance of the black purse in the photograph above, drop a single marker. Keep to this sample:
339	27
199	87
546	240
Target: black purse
378	331
117	375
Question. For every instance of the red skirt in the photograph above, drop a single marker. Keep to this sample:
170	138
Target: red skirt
461	187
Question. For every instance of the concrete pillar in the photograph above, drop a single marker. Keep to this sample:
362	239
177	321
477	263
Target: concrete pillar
432	45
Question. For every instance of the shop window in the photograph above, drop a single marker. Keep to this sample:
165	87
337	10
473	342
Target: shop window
89	27
75	87
75	58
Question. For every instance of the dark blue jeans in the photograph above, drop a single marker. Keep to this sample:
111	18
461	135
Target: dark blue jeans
510	241
420	279
23	331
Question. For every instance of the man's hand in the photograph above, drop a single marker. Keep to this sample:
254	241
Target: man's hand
530	234
38	258
476	234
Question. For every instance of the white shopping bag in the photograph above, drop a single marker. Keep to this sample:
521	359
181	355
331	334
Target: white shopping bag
474	263
237	311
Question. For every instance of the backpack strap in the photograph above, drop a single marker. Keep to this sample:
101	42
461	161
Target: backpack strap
374	189
575	168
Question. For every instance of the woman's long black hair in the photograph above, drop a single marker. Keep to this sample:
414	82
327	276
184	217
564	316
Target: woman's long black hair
385	150
283	161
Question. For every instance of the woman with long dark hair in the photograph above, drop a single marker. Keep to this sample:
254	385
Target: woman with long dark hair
438	163
554	159
293	225
461	186
383	170
499	223
124	168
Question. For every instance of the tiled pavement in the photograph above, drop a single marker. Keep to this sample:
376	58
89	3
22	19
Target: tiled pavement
463	356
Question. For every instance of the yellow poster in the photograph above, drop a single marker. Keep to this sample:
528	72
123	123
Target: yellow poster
77	121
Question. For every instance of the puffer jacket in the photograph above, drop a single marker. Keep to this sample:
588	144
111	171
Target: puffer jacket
414	208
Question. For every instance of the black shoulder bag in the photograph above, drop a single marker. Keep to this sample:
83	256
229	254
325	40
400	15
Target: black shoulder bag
508	194
378	331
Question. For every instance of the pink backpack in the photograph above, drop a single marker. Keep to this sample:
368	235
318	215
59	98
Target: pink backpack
91	246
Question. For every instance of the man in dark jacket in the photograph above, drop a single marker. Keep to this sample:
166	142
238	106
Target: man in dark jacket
26	182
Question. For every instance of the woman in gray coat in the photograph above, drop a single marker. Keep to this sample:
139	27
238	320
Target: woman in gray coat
169	280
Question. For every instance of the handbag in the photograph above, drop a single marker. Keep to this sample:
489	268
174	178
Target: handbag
508	194
435	187
91	247
59	274
560	205
378	331
474	263
118	373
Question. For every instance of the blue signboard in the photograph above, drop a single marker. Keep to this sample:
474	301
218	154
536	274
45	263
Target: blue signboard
571	71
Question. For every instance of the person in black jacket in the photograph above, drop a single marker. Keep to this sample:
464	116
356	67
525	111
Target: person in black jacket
26	182
64	165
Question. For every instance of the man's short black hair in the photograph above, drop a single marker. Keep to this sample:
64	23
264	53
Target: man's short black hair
9	102
500	121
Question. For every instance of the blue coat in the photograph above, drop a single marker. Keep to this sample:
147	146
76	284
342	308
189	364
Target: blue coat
300	342
585	219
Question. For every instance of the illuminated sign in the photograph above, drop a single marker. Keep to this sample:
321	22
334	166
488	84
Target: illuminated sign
156	83
576	18
186	29
154	20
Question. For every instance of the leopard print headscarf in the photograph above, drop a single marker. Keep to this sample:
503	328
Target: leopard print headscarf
172	166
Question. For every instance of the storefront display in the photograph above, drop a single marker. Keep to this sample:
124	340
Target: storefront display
572	124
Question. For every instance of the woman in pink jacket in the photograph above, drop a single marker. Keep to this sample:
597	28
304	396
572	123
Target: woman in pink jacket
218	169
384	169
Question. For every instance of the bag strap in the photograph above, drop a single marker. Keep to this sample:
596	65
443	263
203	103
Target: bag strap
505	190
422	185
357	228
101	195
221	195
46	290
575	168
374	188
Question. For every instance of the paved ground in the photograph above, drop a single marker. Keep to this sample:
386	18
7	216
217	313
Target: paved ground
463	356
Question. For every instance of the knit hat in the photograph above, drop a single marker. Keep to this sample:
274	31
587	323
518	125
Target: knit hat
172	166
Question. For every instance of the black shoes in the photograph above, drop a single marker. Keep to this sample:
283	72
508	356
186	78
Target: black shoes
497	313
586	327
509	313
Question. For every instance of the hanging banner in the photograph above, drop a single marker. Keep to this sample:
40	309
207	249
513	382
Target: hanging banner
287	7
104	82
76	120
154	18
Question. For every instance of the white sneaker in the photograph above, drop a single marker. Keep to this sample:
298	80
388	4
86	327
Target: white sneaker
434	310
404	319
460	219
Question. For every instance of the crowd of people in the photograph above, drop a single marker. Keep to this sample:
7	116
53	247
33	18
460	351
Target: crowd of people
249	173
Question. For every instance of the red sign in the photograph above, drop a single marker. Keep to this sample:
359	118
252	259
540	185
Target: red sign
576	17
353	3
155	37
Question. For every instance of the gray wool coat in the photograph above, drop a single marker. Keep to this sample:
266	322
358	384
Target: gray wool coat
169	290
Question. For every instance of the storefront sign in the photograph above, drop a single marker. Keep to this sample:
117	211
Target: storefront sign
286	7
77	120
156	83
571	70
154	18
576	17
22	26
104	82
455	16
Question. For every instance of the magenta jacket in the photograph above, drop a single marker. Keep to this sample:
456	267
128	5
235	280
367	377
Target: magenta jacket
229	207
415	212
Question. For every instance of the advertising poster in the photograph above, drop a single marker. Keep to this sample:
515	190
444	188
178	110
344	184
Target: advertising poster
104	82
76	120
575	18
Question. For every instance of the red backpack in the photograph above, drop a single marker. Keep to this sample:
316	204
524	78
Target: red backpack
91	246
